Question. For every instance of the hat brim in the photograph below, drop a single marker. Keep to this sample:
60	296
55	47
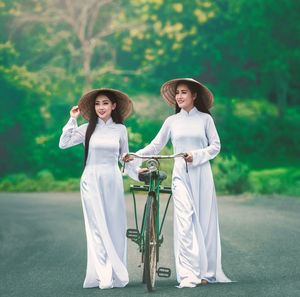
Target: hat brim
168	91
86	103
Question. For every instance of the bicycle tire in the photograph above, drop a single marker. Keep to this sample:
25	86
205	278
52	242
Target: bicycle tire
150	260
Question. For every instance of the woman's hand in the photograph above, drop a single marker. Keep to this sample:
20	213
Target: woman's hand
75	112
188	157
127	158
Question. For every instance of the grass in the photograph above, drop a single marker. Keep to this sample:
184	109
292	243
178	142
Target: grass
282	180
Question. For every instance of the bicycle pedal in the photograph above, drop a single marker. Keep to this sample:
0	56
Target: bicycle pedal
133	234
164	272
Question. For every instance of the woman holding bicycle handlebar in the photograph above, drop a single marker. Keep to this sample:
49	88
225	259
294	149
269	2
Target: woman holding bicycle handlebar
101	185
196	228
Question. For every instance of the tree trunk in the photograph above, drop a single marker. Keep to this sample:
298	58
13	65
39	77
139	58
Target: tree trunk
281	89
87	57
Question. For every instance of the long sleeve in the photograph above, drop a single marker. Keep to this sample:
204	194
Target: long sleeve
72	134
131	168
158	143
201	156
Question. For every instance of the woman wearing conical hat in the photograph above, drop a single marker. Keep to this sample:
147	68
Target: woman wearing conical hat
196	228
105	141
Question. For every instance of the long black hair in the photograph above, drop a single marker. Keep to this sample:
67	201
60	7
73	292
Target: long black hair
199	102
116	117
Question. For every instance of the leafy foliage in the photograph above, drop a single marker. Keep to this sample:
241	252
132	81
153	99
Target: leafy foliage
279	180
231	176
43	181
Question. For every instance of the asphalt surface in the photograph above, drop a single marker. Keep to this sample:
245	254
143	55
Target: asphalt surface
43	248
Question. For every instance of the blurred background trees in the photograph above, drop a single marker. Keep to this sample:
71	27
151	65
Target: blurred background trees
246	52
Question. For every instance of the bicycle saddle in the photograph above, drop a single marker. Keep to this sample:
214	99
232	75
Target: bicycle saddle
145	176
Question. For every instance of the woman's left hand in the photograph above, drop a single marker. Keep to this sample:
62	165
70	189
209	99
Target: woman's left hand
126	158
188	157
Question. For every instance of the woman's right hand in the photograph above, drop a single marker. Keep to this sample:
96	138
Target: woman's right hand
75	112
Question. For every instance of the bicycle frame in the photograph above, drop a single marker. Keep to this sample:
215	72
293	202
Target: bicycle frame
154	186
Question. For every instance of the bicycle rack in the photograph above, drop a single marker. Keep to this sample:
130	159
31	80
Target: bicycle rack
163	272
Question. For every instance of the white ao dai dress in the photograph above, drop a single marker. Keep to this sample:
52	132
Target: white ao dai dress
103	204
197	245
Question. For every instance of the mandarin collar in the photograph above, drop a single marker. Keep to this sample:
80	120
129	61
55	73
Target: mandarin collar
109	122
190	113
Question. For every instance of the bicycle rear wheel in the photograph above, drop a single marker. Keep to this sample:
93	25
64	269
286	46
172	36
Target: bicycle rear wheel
151	247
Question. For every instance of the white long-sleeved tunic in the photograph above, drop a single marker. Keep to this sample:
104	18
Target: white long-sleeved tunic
197	245
103	204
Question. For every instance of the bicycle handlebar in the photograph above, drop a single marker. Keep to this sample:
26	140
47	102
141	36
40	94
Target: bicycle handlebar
158	157
182	155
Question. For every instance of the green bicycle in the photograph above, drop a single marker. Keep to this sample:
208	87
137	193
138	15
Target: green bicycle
149	236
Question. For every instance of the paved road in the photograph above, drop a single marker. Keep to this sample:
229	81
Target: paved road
42	248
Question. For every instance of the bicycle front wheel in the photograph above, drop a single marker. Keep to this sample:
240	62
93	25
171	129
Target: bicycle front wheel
151	247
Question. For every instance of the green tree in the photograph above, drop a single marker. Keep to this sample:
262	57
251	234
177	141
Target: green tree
73	39
21	100
248	49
